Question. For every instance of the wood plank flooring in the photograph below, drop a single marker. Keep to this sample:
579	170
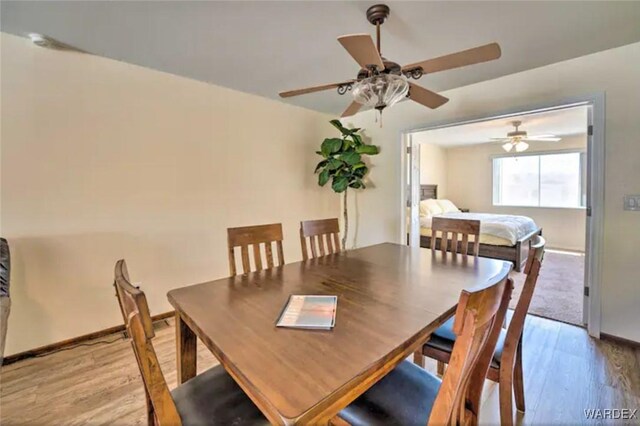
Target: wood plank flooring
565	372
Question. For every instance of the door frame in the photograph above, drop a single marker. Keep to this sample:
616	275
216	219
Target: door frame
410	160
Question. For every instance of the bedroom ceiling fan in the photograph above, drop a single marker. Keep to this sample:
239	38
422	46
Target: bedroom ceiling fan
518	138
380	83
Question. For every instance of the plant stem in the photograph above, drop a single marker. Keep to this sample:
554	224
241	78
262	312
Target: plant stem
346	222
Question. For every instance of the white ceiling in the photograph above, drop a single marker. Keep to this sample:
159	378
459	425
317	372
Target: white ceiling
565	122
265	47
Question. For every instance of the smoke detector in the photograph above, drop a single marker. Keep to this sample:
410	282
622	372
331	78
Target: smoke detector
42	40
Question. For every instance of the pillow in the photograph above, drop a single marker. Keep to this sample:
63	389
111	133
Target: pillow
447	206
430	207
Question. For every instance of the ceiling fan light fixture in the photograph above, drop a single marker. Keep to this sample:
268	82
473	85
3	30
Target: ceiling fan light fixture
381	91
521	146
507	146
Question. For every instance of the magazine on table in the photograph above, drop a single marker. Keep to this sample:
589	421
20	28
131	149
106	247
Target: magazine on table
309	312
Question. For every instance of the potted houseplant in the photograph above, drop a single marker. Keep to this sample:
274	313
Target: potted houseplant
343	165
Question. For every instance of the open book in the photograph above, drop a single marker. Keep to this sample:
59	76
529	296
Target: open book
312	312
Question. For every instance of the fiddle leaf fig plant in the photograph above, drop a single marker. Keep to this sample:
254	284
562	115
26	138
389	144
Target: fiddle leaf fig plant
343	164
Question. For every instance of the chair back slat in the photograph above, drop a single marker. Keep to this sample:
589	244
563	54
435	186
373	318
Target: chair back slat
280	251
479	316
465	244
444	241
257	258
516	325
255	236
318	232
314	246
244	250
268	253
161	408
329	244
458	228
320	239
336	242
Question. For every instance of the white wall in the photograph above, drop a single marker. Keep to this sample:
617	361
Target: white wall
433	166
563	228
104	160
614	72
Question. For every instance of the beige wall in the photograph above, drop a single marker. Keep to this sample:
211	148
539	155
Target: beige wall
614	72
562	228
103	160
433	166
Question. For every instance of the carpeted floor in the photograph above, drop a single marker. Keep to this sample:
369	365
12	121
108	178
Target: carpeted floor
559	292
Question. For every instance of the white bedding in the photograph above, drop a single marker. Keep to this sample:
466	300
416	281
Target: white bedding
508	227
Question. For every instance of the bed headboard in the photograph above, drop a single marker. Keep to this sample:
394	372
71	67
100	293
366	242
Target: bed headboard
426	192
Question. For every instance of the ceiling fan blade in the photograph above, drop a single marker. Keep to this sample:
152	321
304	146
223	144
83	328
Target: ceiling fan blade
426	97
362	49
312	89
476	55
352	109
545	135
543	139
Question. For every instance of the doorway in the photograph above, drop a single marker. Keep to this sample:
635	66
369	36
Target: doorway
559	184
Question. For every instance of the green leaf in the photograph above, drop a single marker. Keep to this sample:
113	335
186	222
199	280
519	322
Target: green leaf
350	157
320	165
359	165
323	178
340	184
367	149
361	171
338	125
330	146
357	139
356	184
334	164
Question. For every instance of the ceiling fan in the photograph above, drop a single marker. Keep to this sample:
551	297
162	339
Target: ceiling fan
380	83
518	138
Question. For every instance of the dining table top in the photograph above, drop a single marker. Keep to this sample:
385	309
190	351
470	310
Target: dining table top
391	297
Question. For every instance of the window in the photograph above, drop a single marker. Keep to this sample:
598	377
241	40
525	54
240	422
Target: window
545	180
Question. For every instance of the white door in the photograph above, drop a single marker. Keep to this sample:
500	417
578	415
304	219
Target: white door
588	231
412	193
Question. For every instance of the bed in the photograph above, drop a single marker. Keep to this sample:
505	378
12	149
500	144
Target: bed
504	237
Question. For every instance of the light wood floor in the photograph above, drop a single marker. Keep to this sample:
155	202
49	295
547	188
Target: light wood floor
565	372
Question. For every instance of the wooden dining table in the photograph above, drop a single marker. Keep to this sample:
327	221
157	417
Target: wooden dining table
390	299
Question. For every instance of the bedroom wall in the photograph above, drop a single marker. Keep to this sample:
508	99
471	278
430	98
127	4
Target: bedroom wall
433	165
563	228
104	160
614	72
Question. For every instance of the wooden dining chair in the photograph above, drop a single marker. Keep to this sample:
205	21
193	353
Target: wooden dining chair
506	365
461	230
254	236
410	395
321	233
212	397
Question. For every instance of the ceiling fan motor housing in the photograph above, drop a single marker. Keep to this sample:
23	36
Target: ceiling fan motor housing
377	14
390	67
519	133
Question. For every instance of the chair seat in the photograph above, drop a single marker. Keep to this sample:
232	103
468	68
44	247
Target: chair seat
444	338
405	396
214	398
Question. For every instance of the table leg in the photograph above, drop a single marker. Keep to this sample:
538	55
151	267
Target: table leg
185	350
